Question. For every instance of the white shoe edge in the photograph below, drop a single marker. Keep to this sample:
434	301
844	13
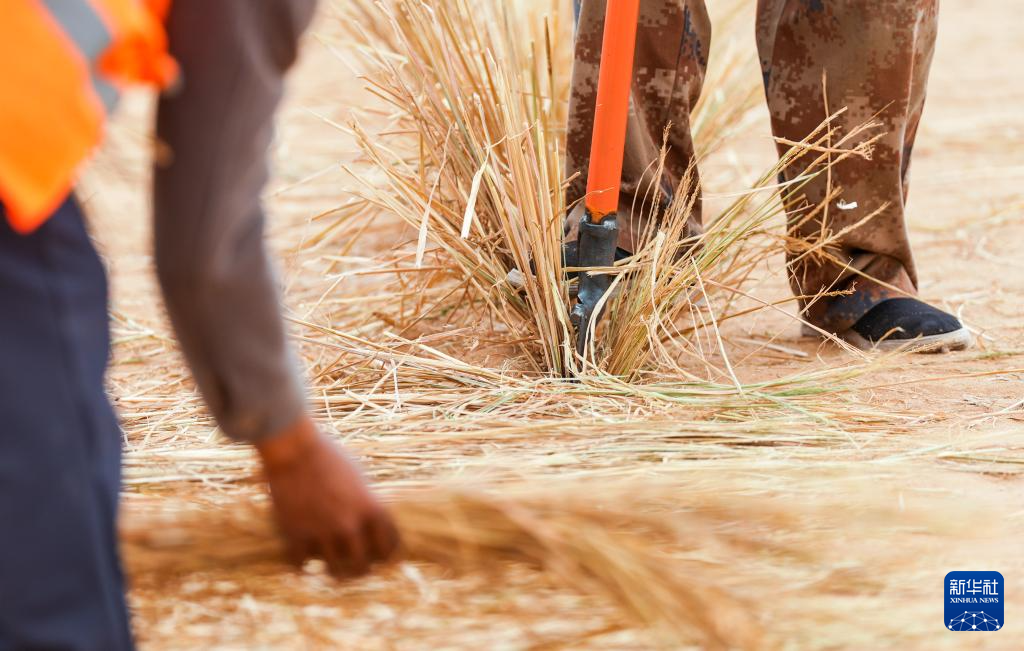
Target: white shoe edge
946	342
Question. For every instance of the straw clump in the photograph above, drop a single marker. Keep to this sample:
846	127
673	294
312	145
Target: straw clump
584	548
664	552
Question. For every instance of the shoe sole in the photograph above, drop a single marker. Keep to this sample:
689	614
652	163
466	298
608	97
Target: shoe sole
945	343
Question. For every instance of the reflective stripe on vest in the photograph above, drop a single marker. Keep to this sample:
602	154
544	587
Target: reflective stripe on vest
91	38
60	64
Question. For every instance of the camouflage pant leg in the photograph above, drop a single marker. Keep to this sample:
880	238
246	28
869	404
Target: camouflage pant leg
875	55
672	49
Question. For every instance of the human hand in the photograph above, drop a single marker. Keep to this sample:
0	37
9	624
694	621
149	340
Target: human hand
323	506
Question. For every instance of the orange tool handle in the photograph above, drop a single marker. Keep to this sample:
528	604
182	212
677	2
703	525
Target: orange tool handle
614	84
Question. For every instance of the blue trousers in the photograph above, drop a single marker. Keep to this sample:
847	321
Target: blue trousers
61	585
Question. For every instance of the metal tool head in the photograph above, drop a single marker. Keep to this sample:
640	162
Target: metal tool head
597	244
599	228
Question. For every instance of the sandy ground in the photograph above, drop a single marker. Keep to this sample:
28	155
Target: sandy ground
965	217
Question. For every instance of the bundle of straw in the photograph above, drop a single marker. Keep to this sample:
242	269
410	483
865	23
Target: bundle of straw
612	550
483	180
673	555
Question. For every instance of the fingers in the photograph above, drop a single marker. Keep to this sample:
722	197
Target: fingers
349	546
344	550
383	535
351	550
335	553
357	547
298	549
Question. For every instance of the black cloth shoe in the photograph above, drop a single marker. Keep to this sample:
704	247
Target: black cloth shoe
908	323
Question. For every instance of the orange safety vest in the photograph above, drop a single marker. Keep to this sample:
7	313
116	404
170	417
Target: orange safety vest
61	64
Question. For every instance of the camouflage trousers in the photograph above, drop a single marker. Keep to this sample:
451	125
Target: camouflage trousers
873	54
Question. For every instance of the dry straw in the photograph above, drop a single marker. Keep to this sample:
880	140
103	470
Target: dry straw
612	552
666	557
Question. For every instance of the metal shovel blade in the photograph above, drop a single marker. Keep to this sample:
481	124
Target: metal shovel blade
597	243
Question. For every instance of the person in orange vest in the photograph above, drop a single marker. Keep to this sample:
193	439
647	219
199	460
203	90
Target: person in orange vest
61	584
